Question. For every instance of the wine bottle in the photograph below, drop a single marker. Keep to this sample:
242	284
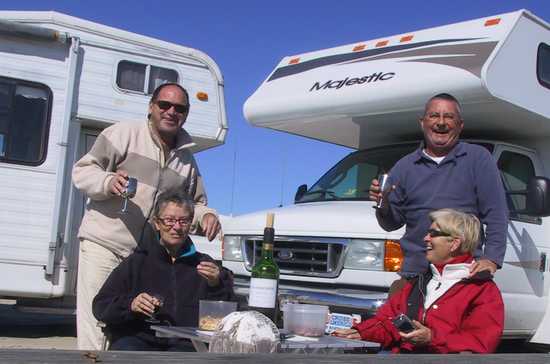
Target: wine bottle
264	281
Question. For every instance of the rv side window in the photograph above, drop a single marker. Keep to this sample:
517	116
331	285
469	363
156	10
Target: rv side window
25	109
516	171
143	78
159	75
131	76
543	65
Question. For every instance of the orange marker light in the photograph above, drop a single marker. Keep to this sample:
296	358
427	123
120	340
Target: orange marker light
294	61
382	43
406	38
393	256
359	47
490	22
203	96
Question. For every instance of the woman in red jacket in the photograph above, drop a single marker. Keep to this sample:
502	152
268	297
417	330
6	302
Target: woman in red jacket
451	310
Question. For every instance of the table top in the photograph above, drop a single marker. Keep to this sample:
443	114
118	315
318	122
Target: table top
289	342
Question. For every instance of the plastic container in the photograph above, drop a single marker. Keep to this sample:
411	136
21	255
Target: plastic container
305	320
212	312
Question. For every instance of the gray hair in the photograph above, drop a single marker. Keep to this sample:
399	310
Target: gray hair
178	198
447	97
463	226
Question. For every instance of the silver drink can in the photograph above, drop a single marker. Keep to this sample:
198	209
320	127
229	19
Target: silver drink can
383	183
131	188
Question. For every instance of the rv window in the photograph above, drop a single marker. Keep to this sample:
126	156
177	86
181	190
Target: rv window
543	65
516	171
4	110
24	121
132	76
351	177
158	76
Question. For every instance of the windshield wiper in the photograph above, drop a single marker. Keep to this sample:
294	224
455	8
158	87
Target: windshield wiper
324	193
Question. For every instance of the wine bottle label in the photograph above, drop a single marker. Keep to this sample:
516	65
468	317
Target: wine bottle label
263	292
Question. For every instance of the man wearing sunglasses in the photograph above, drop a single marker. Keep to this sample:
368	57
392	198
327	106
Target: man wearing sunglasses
443	173
157	153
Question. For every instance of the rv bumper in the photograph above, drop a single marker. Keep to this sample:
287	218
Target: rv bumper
362	302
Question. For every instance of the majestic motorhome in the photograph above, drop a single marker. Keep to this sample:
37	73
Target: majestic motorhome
62	80
369	96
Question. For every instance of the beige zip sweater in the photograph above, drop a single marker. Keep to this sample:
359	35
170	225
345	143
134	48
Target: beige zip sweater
134	148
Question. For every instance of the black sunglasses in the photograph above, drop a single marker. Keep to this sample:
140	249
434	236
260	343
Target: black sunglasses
433	233
166	105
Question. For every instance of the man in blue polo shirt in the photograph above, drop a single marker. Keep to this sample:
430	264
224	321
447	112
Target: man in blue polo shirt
444	173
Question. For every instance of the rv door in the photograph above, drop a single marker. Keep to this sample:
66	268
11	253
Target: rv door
70	260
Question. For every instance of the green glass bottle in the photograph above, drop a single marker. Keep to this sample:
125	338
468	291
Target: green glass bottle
264	282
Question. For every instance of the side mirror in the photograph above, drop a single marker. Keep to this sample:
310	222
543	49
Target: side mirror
302	189
538	196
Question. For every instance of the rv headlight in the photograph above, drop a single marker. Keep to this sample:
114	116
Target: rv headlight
231	248
365	254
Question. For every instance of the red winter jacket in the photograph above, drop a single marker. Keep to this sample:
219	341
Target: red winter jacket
468	317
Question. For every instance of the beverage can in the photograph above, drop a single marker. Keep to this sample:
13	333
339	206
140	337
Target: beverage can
383	183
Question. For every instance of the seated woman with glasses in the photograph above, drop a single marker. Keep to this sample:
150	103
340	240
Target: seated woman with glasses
161	283
450	311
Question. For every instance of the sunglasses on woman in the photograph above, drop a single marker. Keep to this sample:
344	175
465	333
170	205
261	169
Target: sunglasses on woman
434	233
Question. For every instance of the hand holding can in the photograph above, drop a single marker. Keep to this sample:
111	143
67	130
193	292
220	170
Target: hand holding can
383	189
131	189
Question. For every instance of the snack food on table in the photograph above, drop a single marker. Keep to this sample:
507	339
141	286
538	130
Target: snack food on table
209	323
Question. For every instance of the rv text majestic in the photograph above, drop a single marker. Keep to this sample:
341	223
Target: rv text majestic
380	76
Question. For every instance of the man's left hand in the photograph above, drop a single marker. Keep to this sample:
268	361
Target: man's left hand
481	265
211	226
421	336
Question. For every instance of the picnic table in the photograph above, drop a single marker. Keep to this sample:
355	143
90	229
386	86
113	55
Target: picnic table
289	343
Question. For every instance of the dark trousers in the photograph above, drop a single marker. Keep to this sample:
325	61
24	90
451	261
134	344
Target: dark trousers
135	343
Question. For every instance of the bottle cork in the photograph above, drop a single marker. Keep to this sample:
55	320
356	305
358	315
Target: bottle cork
270	220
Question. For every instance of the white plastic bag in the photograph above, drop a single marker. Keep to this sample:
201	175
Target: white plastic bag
245	332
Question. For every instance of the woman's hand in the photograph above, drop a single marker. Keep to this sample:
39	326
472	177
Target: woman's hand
145	304
347	333
421	336
210	271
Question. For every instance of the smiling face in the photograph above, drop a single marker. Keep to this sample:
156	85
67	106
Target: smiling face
441	125
167	122
440	247
173	223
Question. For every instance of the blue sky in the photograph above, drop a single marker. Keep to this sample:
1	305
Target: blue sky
247	39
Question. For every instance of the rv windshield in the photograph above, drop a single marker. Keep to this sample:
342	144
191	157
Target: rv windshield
350	179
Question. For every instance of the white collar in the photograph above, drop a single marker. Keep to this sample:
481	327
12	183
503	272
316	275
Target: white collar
451	271
441	283
435	159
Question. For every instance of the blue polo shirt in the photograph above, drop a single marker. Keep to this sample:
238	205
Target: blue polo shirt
467	179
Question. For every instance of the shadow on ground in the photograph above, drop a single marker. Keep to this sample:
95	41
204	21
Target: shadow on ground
17	324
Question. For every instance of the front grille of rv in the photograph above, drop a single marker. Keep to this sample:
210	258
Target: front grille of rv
299	257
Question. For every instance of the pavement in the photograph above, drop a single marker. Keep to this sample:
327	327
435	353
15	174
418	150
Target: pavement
22	330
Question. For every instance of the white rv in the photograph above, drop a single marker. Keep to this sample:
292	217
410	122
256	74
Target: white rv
369	96
62	80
